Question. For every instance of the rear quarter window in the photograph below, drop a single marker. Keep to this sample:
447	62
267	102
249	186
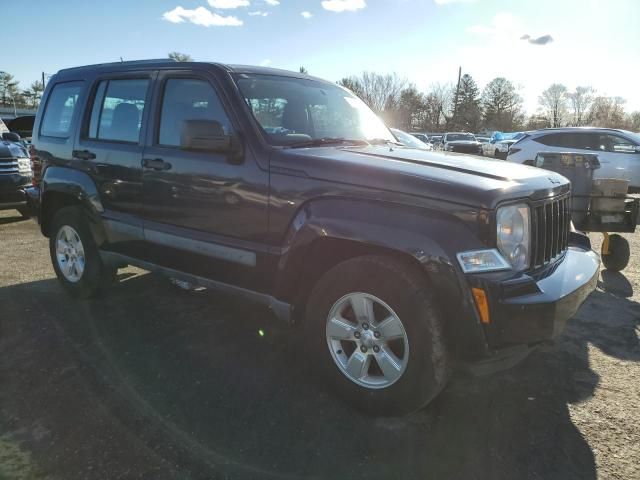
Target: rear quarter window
60	109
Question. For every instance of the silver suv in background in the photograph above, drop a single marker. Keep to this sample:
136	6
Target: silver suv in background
618	150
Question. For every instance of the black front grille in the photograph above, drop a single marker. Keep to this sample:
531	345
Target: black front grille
550	232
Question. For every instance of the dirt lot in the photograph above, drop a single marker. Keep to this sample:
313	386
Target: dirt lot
152	382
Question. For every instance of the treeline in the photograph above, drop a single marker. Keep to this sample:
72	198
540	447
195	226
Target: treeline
444	107
498	106
11	95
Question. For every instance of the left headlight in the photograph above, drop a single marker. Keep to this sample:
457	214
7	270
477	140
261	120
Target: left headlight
24	166
514	234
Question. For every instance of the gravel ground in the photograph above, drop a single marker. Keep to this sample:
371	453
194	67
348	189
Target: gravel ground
152	382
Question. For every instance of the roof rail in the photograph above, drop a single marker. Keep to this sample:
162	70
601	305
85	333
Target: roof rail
126	62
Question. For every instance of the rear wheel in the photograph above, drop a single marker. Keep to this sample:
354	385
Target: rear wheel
372	324
75	256
617	258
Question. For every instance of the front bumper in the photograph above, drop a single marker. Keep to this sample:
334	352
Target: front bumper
12	191
530	309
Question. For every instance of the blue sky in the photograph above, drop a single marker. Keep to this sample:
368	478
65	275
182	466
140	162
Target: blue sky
595	42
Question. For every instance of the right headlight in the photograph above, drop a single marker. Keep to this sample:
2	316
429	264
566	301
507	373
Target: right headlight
513	224
24	166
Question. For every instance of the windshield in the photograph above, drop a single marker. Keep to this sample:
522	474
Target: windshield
512	136
459	137
409	140
633	136
294	110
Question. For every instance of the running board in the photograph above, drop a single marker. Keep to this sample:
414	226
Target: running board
282	310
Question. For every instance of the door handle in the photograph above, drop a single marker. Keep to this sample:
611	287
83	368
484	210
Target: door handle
83	155
156	164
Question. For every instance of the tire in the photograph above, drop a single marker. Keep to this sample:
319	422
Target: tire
406	293
92	274
619	253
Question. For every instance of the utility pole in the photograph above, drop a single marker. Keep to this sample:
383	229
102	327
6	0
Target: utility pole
43	82
455	101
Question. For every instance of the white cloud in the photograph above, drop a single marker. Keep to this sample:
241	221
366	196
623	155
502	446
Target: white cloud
343	5
258	13
223	4
306	14
448	2
273	3
201	16
265	63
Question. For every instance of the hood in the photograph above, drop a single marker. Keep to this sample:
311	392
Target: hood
12	150
507	142
452	177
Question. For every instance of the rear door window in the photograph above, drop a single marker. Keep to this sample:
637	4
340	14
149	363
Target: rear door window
607	142
117	110
570	140
60	109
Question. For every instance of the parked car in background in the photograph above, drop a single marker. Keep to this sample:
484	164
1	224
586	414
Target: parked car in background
482	138
23	126
423	137
618	150
399	264
435	141
410	140
15	172
460	142
499	144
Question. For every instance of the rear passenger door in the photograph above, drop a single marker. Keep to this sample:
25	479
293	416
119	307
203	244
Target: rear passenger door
618	157
111	146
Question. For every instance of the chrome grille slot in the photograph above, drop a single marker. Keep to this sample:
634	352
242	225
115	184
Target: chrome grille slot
550	230
8	166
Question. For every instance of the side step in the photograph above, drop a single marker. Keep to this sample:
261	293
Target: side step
281	309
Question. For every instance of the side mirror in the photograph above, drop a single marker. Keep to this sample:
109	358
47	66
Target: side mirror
11	137
209	136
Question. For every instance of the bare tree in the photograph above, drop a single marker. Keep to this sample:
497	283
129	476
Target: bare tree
380	92
607	112
580	100
304	70
634	121
553	102
439	106
180	57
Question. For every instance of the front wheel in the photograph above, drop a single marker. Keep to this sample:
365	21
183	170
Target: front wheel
374	327
75	256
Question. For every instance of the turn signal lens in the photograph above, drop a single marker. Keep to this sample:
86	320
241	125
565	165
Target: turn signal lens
482	304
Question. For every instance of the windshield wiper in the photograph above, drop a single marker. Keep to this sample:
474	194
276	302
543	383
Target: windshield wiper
320	142
384	141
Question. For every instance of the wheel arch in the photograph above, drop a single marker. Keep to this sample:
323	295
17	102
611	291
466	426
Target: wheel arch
327	232
64	187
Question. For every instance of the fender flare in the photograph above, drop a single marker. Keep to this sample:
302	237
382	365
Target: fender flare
430	238
76	186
